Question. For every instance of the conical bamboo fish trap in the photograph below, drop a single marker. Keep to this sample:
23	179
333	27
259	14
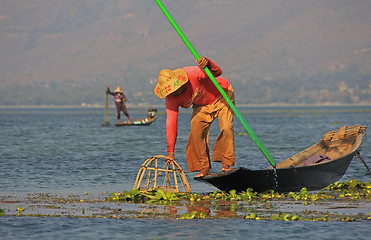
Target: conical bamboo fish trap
167	177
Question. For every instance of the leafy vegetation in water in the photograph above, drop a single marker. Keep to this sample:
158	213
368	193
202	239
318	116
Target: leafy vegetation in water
20	210
341	201
158	196
351	189
193	215
235	201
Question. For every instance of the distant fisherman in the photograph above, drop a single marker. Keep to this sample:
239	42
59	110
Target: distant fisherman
120	100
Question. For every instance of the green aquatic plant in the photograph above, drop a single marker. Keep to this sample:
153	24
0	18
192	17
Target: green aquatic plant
267	201
217	195
352	189
347	219
285	217
249	194
249	205
252	216
155	196
133	196
302	195
20	210
233	196
193	215
162	197
351	184
269	195
289	217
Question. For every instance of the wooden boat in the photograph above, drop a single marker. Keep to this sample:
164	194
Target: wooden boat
151	117
294	173
140	122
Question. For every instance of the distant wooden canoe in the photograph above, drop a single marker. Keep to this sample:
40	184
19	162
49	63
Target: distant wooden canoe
142	122
293	174
151	117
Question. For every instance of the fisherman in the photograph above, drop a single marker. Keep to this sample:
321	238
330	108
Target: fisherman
191	86
120	100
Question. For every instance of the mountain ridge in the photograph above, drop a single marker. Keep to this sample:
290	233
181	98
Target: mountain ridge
67	52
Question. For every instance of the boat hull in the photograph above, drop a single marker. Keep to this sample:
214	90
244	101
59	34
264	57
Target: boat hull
337	147
133	124
313	177
143	122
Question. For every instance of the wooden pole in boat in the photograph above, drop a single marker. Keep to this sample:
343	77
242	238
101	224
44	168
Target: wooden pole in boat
106	117
364	163
222	92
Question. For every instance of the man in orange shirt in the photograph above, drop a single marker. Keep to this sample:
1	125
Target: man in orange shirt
191	86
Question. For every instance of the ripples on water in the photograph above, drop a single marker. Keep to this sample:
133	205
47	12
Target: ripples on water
69	150
82	228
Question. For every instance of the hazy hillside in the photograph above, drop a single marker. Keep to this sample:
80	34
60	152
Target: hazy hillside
66	52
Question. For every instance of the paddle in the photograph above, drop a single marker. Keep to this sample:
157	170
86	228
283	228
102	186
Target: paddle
363	161
195	54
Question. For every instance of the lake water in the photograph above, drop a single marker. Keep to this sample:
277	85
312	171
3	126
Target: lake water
70	150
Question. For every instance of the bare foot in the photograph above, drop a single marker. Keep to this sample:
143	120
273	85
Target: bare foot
203	173
226	168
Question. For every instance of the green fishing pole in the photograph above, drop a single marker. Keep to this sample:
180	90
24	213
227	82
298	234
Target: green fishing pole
195	54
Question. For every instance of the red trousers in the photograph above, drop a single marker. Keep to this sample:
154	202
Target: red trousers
197	151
